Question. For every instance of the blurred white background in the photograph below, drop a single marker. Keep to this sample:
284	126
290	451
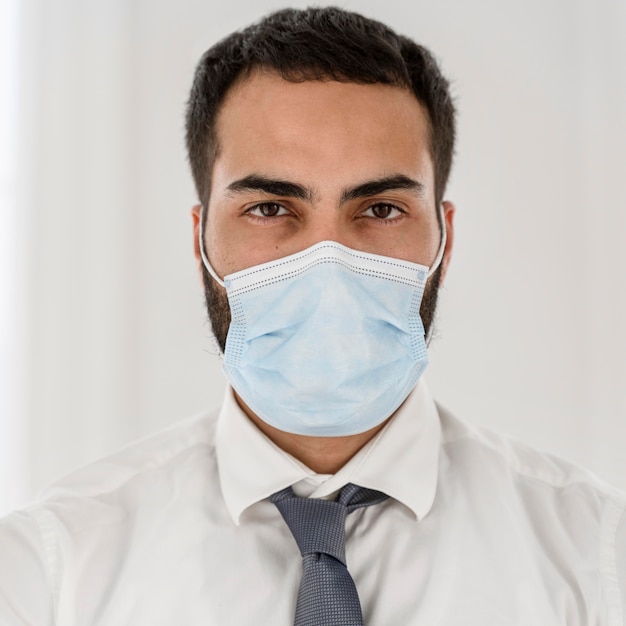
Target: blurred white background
102	325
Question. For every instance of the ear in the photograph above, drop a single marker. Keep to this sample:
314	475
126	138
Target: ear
448	215
195	219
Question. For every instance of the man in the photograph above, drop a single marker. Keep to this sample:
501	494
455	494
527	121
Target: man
329	488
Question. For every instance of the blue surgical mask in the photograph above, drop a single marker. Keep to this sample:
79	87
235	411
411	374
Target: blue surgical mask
326	342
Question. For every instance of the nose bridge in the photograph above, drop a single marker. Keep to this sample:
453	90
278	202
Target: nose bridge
327	223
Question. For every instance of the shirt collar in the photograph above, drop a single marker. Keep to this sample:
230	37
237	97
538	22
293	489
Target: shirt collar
401	460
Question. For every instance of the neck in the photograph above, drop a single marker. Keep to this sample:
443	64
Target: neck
324	455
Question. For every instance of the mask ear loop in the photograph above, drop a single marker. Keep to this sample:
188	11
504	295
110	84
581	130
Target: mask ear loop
205	260
437	263
442	244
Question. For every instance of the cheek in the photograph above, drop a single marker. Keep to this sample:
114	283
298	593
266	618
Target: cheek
219	242
229	245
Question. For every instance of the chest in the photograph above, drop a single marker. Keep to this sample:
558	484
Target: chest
444	570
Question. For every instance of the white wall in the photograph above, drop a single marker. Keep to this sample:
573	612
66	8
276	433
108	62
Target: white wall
531	334
13	464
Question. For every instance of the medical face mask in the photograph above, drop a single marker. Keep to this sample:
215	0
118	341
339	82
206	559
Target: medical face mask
326	342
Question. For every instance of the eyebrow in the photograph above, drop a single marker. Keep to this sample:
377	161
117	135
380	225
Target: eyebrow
381	185
274	187
270	186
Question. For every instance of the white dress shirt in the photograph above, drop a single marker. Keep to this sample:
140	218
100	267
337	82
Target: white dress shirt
177	530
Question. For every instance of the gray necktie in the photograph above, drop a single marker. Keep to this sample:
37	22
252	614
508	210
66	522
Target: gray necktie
327	596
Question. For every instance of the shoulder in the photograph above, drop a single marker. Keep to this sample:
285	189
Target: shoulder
92	515
562	519
535	495
485	450
188	443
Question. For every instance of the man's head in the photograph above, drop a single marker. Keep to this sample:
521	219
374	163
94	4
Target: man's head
307	120
317	44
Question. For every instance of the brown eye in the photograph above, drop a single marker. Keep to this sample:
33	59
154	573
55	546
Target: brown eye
383	211
268	209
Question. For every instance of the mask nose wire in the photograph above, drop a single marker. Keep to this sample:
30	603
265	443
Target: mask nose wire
209	267
205	260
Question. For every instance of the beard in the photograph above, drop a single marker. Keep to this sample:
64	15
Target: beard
219	309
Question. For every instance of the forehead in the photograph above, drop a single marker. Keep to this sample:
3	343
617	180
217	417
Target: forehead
266	120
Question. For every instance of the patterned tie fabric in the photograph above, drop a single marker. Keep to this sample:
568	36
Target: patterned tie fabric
327	596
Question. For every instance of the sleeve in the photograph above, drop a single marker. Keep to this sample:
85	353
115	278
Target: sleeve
26	597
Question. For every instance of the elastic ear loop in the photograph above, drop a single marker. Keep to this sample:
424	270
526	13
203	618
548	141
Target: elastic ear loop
205	260
437	263
431	271
442	244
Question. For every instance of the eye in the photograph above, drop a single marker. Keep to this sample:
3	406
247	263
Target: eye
383	211
267	209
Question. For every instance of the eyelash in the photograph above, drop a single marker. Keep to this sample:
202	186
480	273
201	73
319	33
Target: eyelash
265	204
388	205
267	218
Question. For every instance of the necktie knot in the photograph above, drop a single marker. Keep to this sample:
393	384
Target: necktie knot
327	592
316	525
